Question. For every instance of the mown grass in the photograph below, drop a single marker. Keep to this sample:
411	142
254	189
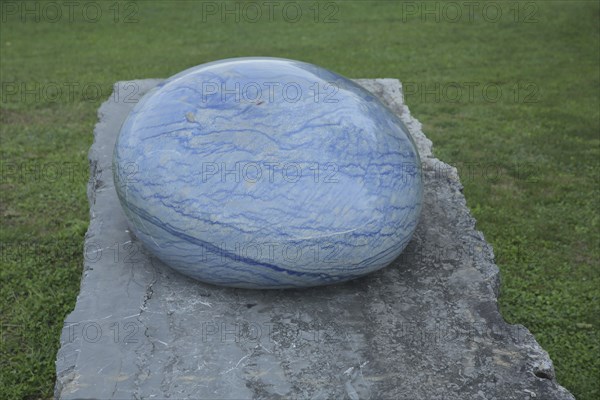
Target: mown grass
528	159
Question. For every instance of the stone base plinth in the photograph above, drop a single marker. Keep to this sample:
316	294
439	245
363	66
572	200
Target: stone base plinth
426	327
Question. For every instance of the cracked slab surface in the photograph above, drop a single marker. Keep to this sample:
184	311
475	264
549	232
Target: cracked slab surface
426	327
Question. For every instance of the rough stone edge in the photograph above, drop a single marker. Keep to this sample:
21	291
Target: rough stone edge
542	367
484	260
66	375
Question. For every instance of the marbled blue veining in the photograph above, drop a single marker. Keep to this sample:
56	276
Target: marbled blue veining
268	173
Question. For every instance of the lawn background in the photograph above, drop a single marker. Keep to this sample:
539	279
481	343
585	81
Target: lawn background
528	157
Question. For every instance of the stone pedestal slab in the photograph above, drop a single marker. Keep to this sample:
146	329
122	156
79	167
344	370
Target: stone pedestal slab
426	327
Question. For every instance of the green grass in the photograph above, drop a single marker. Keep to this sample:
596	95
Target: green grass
529	161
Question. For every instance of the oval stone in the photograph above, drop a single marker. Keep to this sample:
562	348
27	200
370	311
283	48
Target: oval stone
267	173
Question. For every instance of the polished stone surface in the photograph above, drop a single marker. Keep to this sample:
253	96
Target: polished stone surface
268	173
425	328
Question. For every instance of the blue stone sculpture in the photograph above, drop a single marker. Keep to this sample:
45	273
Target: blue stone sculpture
268	173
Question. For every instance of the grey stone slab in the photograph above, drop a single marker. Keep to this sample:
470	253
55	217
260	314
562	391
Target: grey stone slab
426	327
